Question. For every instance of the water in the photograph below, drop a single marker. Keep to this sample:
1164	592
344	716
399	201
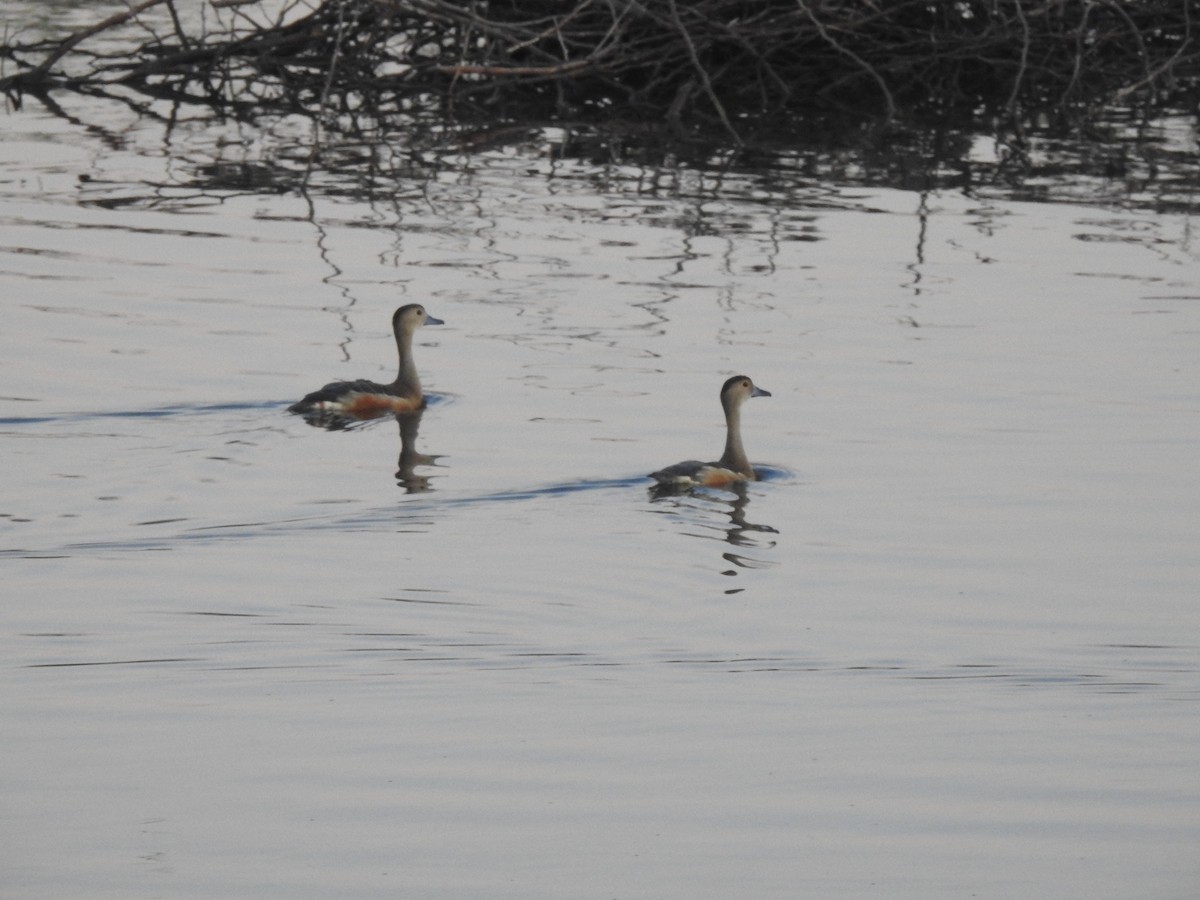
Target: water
947	648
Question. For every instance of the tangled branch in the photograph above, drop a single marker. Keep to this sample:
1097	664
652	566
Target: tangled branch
732	63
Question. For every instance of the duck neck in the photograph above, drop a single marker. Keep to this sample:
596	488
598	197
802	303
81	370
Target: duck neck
734	456
407	380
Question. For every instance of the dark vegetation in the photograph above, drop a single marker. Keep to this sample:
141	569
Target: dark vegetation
737	65
897	80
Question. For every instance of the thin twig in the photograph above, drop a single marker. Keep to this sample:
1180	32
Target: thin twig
850	54
704	79
1011	105
725	60
560	69
1153	75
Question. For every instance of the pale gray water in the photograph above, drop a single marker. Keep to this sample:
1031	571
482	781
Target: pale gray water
948	649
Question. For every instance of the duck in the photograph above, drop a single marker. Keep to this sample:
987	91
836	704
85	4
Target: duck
733	466
364	399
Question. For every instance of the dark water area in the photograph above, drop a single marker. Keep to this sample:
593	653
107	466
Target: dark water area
947	645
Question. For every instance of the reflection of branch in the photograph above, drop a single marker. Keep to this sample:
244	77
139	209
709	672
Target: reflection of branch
39	72
179	32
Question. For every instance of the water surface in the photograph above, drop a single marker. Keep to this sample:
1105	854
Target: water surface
948	648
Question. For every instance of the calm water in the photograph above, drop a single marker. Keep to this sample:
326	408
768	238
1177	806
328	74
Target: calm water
949	648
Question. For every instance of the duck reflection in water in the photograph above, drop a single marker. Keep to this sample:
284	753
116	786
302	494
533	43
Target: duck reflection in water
700	511
410	457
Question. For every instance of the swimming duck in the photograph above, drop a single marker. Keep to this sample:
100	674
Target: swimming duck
733	465
365	399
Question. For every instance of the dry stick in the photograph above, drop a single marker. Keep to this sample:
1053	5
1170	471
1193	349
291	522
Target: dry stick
1136	32
887	95
708	88
1152	75
1011	105
555	28
764	66
473	69
599	46
1080	32
445	13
